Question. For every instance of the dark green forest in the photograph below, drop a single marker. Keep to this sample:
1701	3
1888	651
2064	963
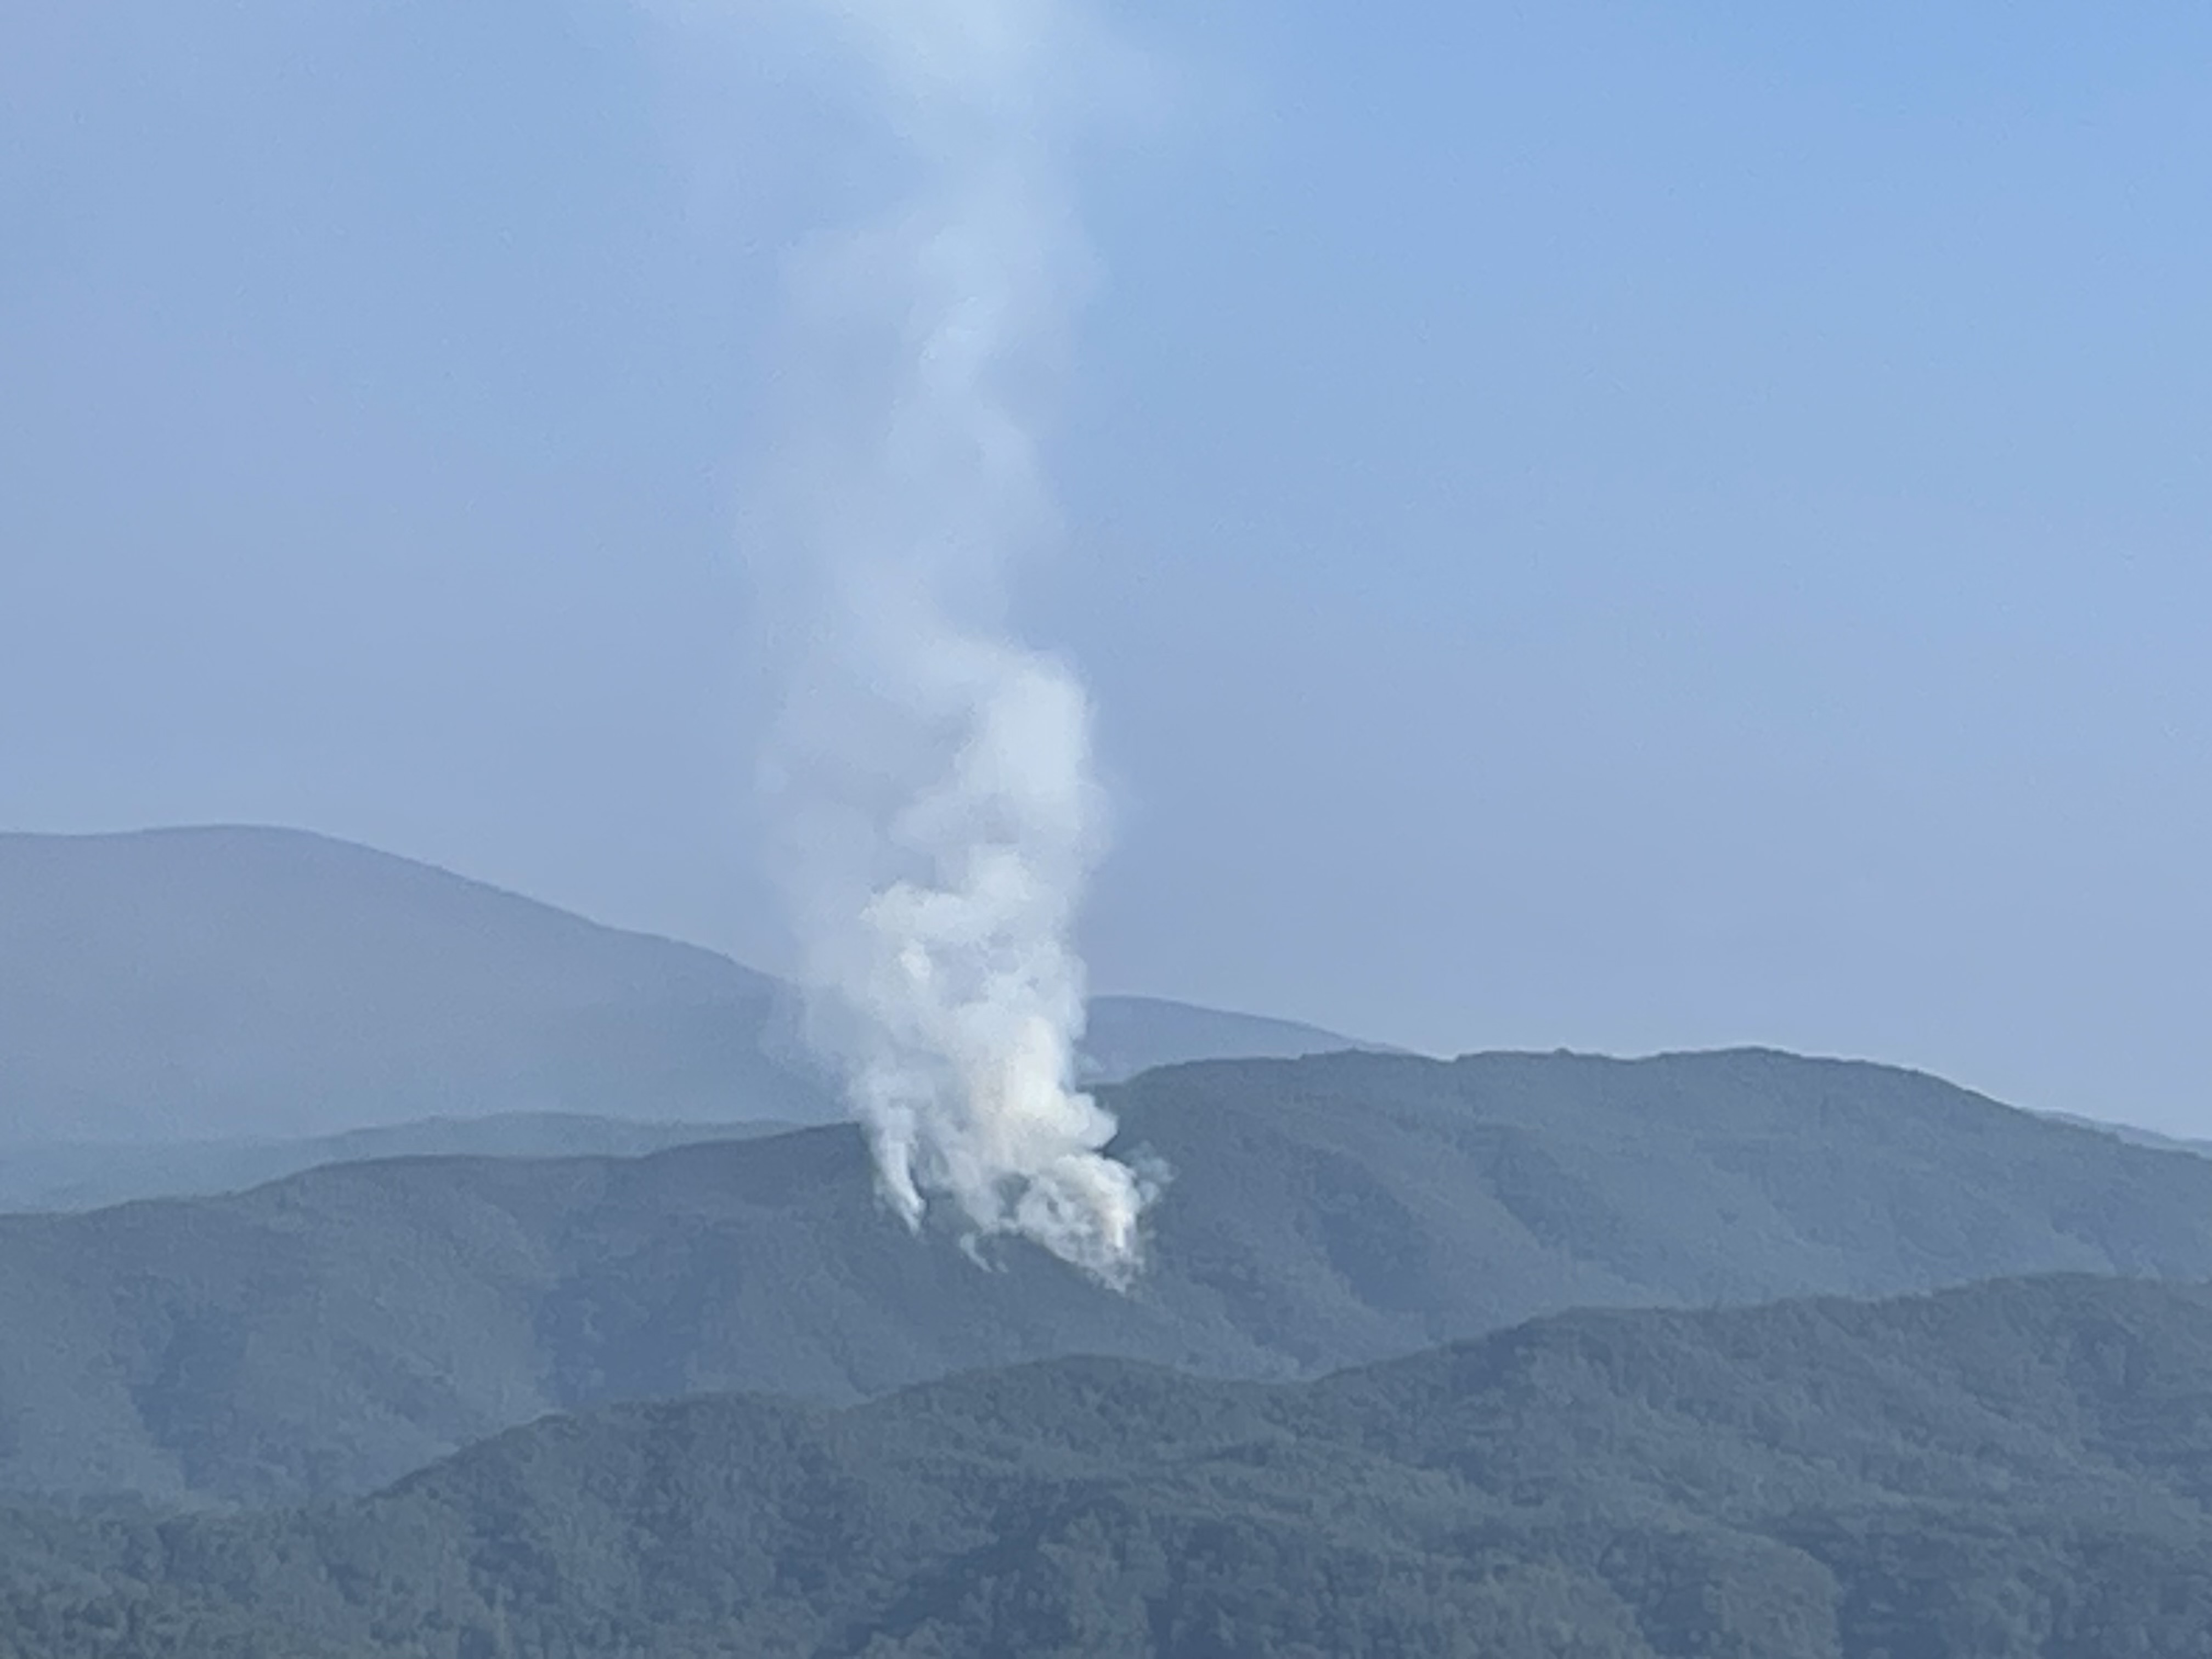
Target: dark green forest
713	1401
323	1335
2022	1468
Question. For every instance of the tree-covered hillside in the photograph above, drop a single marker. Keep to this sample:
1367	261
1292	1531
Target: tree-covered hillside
329	1333
2018	1469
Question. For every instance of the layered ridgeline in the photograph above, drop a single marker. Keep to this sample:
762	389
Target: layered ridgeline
2019	1468
327	1333
90	1175
251	988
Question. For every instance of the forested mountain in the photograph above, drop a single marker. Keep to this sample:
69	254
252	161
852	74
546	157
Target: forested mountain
215	984
2021	1468
327	1333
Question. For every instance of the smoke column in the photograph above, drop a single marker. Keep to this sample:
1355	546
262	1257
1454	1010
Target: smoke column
932	775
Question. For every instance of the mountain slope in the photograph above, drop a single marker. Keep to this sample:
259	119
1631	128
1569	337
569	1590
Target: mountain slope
333	1330
204	983
2021	1467
194	985
1397	1201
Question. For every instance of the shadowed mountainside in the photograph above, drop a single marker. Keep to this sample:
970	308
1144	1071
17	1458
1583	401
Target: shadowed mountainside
328	1332
2021	1468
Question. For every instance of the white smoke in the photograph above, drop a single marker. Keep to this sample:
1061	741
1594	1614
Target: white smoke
933	775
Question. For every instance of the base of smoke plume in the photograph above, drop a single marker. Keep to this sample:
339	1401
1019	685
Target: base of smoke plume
989	1247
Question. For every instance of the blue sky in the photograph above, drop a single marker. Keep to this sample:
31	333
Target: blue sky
1623	527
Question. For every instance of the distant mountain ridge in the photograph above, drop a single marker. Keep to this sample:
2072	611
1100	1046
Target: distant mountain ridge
1128	1034
2134	1136
328	1332
2018	1469
76	1176
185	984
190	985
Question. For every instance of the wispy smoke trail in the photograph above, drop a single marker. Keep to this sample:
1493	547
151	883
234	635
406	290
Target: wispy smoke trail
934	776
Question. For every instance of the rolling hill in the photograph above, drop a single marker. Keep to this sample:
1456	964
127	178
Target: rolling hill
328	1332
189	986
2018	1469
203	984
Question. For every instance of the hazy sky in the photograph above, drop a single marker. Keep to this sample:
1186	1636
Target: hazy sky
1622	527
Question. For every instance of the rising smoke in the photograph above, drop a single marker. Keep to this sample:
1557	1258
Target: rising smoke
932	775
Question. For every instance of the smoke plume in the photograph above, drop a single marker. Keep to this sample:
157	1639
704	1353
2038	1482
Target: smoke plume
932	774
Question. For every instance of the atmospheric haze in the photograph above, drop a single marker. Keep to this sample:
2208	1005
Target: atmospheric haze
929	777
